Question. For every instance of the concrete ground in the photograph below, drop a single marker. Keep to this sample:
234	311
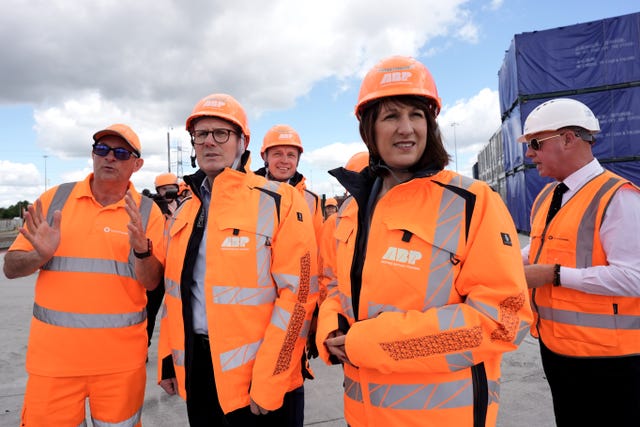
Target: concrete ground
525	397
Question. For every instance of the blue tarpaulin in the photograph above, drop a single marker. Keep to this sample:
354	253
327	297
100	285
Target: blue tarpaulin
589	55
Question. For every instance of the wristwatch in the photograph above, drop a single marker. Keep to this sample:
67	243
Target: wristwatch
142	255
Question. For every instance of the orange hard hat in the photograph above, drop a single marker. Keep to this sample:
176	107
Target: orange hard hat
166	179
124	132
397	75
281	135
222	106
358	161
331	202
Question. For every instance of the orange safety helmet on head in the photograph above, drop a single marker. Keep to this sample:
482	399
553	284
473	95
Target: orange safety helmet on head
358	161
397	75
166	179
281	135
223	106
331	202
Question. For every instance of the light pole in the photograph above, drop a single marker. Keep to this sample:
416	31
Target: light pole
455	143
45	172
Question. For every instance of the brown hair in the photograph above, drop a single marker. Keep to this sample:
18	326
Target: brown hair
434	155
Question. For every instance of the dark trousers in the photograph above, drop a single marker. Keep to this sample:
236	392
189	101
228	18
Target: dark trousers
203	407
154	301
593	391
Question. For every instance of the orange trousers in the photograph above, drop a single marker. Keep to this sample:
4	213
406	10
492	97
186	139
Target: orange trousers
60	401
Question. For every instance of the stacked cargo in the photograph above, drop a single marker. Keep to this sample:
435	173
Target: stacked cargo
597	63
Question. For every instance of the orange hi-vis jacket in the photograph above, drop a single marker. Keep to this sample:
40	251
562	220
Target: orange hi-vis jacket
260	286
89	315
568	321
430	295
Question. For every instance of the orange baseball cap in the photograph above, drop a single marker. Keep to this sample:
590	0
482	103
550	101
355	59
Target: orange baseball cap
124	132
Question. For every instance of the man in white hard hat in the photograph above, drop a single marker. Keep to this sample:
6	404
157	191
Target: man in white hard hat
583	269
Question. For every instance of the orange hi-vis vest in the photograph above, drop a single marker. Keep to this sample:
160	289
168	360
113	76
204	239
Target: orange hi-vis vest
260	287
89	314
442	294
568	321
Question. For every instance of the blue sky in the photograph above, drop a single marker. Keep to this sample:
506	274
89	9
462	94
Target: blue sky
72	68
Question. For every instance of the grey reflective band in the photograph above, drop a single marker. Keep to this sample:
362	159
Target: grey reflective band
178	357
243	296
89	265
455	394
590	320
239	356
450	224
171	288
587	227
543	195
352	389
131	422
88	321
59	199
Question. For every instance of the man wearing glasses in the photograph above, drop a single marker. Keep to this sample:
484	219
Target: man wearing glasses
96	245
583	269
239	284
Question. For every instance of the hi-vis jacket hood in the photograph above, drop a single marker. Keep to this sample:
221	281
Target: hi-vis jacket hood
260	286
430	291
568	321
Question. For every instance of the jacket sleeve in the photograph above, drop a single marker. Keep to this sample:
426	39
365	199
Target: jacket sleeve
491	315
277	366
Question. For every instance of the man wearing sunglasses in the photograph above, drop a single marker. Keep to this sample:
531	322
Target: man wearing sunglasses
96	245
583	269
240	283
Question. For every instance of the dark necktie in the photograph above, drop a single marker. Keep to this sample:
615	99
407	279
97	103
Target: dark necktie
556	200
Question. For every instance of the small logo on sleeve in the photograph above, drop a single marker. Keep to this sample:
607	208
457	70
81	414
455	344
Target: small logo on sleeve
506	239
299	214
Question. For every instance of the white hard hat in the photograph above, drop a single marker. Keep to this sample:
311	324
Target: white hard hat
559	113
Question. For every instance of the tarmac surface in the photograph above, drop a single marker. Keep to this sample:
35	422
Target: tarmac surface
524	394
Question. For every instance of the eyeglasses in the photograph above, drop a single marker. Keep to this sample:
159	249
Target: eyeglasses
536	144
119	153
220	135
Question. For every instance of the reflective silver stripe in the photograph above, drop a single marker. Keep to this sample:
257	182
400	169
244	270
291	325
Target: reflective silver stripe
449	226
172	288
523	331
59	199
486	309
590	320
455	394
243	296
450	317
458	361
88	321
310	198
239	356
587	227
265	228
345	301
290	281
89	265
131	422
304	331
352	389
280	318
373	310
83	423
543	195
314	286
178	357
163	310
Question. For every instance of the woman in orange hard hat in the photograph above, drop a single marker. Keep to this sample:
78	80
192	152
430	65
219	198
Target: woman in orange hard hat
419	318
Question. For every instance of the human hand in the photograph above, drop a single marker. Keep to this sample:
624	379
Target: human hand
538	274
44	238
257	409
137	238
169	385
335	346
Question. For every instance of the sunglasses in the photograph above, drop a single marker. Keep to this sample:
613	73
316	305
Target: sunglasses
119	153
536	144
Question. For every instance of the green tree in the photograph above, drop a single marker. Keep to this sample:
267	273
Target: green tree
13	210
